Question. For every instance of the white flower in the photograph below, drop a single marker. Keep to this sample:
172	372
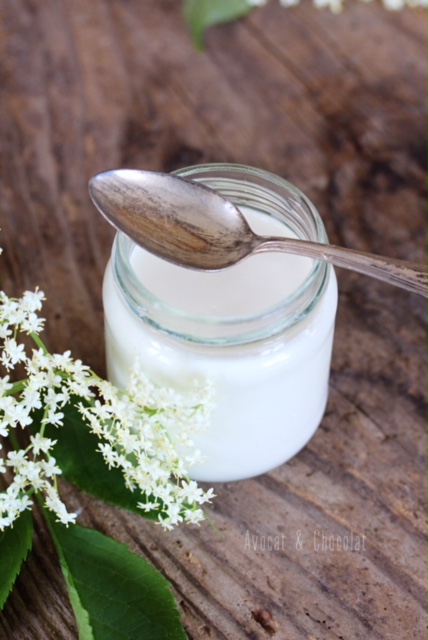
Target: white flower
32	300
41	444
55	397
148	506
194	516
5	331
4	432
110	456
50	468
53	503
6	522
16	458
31	471
394	5
173	514
31	398
12	353
335	6
66	518
54	417
136	430
11	505
32	323
140	430
21	312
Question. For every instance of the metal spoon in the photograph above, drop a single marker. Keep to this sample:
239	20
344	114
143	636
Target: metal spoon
191	225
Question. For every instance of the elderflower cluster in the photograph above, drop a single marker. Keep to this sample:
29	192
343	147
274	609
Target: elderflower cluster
33	469
336	6
135	428
146	433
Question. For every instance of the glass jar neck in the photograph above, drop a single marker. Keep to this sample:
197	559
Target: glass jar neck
262	192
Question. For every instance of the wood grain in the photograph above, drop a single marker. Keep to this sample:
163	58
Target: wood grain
335	104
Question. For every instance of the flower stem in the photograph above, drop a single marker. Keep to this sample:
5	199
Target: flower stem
14	440
39	342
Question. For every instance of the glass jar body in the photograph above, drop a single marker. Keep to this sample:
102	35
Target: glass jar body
270	368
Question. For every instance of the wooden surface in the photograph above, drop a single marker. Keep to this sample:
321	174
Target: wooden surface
336	104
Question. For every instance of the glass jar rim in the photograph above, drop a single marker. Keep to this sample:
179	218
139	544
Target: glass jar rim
252	184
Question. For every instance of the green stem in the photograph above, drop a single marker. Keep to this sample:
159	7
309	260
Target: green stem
39	342
14	440
17	387
42	422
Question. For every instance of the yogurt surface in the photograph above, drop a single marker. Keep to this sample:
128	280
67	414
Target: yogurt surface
251	286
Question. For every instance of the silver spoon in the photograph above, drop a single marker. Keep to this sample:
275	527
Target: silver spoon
191	225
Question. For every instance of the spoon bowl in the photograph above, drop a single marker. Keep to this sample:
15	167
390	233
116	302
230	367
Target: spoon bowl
191	225
181	221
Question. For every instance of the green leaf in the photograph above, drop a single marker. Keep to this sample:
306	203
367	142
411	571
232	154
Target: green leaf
201	14
84	466
116	594
15	543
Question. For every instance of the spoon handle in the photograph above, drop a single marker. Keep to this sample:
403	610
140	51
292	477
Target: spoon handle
401	273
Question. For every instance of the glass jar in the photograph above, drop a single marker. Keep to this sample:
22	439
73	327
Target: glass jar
260	331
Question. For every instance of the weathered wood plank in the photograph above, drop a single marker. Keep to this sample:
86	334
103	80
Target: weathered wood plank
337	105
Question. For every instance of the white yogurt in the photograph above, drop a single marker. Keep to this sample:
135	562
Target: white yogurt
250	287
261	331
